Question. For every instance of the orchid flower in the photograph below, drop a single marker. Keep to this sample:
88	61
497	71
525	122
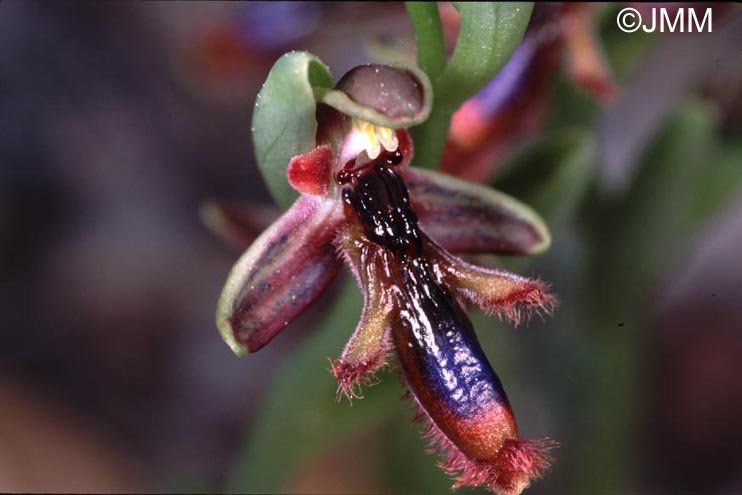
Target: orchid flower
360	204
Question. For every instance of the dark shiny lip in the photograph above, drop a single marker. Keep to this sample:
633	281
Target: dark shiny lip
458	394
438	349
376	198
440	356
354	168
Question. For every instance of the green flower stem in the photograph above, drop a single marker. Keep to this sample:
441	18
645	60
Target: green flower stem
431	52
430	137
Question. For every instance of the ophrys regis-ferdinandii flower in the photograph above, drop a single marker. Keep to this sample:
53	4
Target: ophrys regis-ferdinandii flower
395	227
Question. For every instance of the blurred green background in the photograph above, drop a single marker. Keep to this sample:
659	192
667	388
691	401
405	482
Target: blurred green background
119	119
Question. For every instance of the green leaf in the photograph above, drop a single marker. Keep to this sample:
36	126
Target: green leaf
550	175
489	34
639	234
721	181
300	417
283	122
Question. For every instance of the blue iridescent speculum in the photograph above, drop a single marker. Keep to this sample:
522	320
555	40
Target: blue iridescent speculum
361	203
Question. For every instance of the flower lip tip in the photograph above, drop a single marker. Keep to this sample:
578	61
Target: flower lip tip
518	462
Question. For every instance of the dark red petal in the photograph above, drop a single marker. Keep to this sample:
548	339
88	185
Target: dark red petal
282	273
310	173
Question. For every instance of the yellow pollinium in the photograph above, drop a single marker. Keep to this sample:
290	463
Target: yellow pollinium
375	137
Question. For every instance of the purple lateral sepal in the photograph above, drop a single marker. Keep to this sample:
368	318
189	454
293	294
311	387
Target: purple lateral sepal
282	273
469	218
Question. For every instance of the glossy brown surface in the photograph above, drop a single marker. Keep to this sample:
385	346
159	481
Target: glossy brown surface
439	353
